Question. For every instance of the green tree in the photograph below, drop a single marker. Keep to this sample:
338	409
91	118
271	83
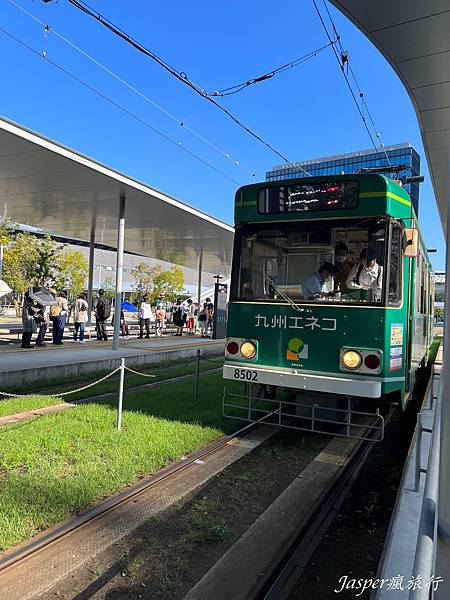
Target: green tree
20	257
48	254
167	284
109	285
71	270
143	276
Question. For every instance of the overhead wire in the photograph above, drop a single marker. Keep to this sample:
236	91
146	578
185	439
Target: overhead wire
234	89
340	60
361	93
119	106
181	123
180	75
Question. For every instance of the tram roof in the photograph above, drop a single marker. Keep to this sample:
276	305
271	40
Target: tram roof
414	37
54	188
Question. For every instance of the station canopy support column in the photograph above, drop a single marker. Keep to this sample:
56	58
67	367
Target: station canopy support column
199	280
91	267
443	540
119	272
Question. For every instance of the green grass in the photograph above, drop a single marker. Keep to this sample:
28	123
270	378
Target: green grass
433	350
56	465
161	370
10	406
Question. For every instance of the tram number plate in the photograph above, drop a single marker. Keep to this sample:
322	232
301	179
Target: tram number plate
246	374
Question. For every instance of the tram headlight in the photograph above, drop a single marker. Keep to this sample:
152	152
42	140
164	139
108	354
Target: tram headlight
351	359
248	349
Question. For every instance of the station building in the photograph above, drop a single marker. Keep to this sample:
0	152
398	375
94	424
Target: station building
398	155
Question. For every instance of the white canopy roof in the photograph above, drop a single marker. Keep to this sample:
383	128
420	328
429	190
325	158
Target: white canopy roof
52	187
414	36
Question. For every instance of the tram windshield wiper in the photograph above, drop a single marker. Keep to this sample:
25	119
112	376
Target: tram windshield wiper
283	295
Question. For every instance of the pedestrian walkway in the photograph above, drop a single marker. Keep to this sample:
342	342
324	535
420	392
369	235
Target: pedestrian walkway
18	367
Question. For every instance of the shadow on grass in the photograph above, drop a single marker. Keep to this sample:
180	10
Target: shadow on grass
177	402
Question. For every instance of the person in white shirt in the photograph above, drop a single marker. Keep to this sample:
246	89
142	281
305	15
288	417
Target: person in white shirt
145	316
367	274
190	309
80	318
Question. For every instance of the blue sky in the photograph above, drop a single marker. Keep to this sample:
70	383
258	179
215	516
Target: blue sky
306	112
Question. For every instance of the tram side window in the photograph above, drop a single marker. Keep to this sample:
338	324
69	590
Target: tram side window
395	268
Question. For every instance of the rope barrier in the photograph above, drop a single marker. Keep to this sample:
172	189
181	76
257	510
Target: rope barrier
59	395
138	373
111	373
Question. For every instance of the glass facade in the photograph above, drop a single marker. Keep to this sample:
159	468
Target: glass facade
352	162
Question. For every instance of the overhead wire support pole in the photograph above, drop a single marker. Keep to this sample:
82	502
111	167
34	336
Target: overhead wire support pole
443	544
119	272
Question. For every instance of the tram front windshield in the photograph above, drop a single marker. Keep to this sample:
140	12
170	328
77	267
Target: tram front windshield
322	261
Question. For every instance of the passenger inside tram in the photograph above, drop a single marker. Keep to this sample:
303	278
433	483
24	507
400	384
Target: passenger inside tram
367	274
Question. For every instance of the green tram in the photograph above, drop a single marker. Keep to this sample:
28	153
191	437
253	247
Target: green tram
345	338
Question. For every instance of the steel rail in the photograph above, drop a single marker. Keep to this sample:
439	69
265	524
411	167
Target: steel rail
88	515
323	511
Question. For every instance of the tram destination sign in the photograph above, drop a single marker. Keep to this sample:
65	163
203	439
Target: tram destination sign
304	197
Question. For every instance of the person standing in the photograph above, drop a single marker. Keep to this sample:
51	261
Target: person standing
58	315
102	313
44	314
179	317
210	311
160	315
203	321
145	315
367	275
190	317
28	321
343	265
80	318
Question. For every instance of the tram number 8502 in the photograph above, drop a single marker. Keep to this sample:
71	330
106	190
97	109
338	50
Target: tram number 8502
245	374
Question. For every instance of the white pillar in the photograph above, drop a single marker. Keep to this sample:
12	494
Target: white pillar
91	267
443	545
199	280
119	271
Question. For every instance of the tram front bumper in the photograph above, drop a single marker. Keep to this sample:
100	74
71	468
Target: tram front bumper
294	379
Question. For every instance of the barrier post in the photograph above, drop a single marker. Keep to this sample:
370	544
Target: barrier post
122	376
197	372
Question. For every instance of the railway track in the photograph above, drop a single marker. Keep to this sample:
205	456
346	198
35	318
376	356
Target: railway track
34	567
297	556
85	517
322	513
18	563
281	541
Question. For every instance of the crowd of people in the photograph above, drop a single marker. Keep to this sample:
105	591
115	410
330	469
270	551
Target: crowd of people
186	316
37	314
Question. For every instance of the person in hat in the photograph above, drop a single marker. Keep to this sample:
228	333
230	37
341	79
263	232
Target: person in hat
343	264
317	284
29	311
367	274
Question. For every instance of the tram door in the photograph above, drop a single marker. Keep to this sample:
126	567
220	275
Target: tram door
409	322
